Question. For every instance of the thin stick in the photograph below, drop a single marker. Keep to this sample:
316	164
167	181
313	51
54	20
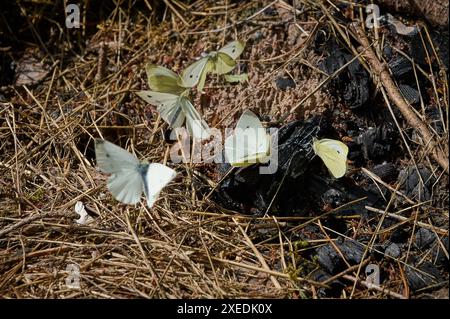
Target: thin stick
258	255
370	285
393	92
23	222
342	273
144	257
440	231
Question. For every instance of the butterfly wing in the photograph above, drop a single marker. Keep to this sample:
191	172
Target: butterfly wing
156	178
126	186
168	105
247	120
247	148
222	63
334	155
224	60
194	122
125	183
249	144
161	79
261	151
233	49
201	82
196	73
112	158
233	154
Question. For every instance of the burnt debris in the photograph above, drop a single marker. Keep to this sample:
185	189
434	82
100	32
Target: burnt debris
301	185
352	83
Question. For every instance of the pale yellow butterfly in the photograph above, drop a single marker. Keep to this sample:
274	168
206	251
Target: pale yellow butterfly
334	155
171	100
161	79
220	62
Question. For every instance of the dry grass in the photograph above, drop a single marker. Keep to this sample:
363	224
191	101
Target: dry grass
185	246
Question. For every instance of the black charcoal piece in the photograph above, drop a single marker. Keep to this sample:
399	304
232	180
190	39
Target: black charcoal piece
410	94
283	83
400	66
334	197
376	143
331	261
386	171
424	238
422	276
416	184
393	250
353	83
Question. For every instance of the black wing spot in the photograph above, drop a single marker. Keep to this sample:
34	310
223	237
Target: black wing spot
338	152
190	76
107	155
233	50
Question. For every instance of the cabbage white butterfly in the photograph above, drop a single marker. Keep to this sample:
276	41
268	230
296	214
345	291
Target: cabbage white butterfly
161	79
334	155
130	176
249	143
220	62
174	109
171	101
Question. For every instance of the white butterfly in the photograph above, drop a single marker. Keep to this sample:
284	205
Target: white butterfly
249	143
174	109
219	62
130	176
171	101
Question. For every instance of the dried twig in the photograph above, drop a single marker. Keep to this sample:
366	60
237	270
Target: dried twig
386	80
370	285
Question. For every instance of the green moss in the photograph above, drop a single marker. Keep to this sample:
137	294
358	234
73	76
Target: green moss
299	244
37	196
